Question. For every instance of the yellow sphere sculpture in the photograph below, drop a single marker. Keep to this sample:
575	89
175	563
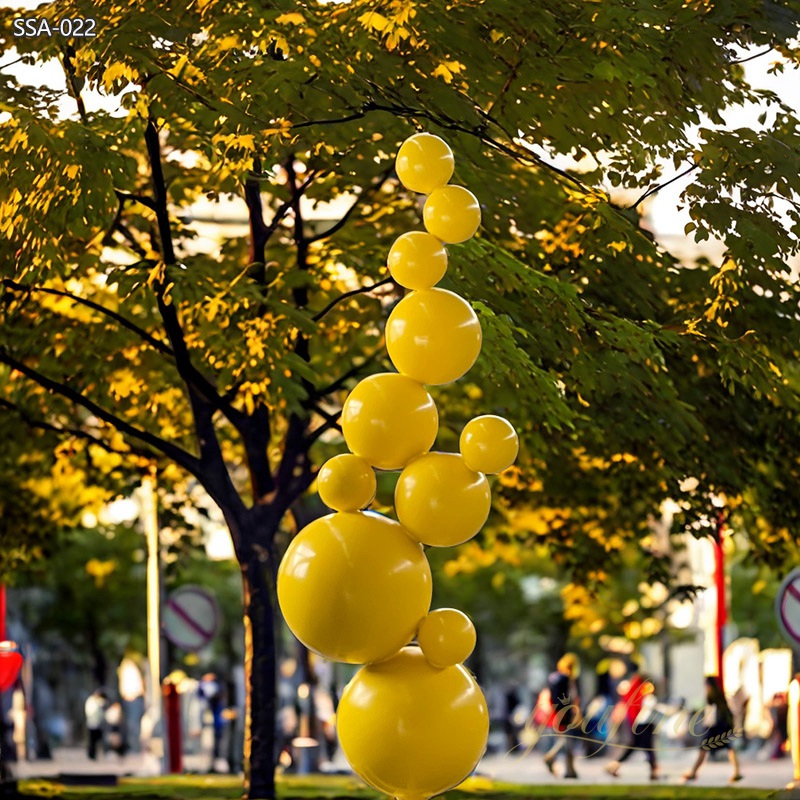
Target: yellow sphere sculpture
433	336
388	419
440	501
410	729
346	483
452	214
424	162
489	444
417	260
446	637
354	587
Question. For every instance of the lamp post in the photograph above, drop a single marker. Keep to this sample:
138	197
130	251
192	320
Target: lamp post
144	506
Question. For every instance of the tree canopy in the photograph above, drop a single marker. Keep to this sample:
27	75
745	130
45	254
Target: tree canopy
626	371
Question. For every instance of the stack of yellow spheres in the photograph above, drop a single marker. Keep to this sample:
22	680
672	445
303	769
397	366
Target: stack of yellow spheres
355	586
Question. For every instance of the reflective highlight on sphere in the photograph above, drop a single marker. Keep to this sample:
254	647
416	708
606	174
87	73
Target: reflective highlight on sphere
452	214
424	162
412	730
354	587
489	444
388	419
433	336
346	483
446	637
417	260
440	501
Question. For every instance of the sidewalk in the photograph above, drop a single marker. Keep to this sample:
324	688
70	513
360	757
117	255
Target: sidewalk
517	767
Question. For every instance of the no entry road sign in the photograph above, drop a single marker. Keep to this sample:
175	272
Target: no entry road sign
787	606
191	618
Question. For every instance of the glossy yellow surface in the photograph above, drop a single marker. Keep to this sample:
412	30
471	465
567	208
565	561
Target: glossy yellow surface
433	336
452	214
440	501
424	162
412	730
354	587
446	637
417	260
346	483
489	444
388	419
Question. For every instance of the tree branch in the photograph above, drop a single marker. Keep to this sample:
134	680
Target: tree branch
148	202
158	344
342	380
255	211
373	189
177	454
659	186
363	290
72	81
77	432
750	58
318	432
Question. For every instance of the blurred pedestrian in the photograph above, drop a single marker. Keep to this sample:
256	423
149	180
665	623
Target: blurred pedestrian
641	716
213	692
566	704
718	720
131	692
95	709
779	714
114	722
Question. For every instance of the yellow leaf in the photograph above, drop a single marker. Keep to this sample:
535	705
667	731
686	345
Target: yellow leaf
71	171
291	18
374	20
115	72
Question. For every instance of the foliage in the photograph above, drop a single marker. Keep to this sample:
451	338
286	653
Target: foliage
128	336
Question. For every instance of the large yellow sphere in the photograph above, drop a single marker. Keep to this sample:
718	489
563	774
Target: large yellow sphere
417	260
489	444
346	483
446	637
452	214
440	501
412	730
354	587
433	336
388	419
424	161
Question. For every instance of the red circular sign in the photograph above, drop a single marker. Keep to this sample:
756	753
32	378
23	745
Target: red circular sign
191	618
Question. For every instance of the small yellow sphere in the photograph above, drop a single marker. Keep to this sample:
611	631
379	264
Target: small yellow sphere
354	587
388	419
489	444
452	214
433	336
446	637
440	501
424	161
411	730
417	260
346	483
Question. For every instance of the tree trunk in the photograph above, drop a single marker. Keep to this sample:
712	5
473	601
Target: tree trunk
260	675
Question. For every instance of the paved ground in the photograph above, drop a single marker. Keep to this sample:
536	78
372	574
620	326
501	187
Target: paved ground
515	768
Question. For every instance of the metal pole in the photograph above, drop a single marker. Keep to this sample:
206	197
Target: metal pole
722	610
2	613
150	523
